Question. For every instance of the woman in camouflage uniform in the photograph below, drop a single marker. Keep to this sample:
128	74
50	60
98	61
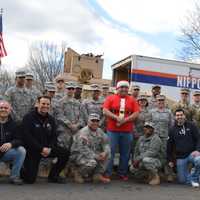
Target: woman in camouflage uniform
144	116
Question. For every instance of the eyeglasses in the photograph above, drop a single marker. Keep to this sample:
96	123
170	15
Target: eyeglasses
70	88
94	120
185	93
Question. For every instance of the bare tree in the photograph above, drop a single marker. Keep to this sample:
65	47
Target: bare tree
191	35
6	80
46	60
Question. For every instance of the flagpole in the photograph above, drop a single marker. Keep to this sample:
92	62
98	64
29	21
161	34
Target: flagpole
1	13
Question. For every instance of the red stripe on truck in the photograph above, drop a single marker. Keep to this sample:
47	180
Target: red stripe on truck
150	73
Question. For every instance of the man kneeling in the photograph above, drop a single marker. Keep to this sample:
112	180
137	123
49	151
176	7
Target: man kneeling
10	143
90	152
148	156
40	140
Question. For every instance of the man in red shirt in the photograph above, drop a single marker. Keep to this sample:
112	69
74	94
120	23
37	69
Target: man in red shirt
121	110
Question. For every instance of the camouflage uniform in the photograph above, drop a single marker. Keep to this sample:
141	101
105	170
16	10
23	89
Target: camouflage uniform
90	106
162	120
86	147
196	117
54	108
150	154
68	113
35	93
50	87
102	98
20	100
144	115
152	102
1	97
59	95
138	127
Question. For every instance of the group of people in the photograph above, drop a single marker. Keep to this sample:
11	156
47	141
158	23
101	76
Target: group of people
151	137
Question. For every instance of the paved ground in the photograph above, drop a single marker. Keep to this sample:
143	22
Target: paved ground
114	191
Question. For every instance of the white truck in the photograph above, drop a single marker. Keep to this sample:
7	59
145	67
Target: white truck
145	71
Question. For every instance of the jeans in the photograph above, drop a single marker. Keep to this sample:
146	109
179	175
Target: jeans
183	173
124	141
16	156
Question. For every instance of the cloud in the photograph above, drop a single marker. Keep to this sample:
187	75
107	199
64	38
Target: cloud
36	17
116	44
148	16
71	21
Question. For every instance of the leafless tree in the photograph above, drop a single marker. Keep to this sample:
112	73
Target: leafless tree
46	60
6	80
191	35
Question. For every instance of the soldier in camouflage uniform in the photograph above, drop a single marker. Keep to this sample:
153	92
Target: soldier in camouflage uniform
78	92
69	117
163	119
156	90
144	115
148	158
35	93
90	152
19	97
135	91
105	92
185	105
93	105
51	90
196	107
46	84
60	87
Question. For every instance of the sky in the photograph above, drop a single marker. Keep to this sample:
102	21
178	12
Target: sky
114	28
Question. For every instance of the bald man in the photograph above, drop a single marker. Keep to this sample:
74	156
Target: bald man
10	143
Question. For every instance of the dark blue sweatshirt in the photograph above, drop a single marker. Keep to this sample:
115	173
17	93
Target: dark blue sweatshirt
183	140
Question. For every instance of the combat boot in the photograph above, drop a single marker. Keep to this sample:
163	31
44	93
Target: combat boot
77	177
100	178
155	180
170	178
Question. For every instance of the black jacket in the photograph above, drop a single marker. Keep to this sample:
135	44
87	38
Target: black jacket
9	132
38	132
183	139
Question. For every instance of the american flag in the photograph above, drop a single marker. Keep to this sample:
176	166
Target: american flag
2	47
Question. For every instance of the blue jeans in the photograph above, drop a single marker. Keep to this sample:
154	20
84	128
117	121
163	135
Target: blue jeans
183	173
16	156
124	141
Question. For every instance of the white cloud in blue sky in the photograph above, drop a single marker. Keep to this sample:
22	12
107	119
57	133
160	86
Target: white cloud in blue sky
114	27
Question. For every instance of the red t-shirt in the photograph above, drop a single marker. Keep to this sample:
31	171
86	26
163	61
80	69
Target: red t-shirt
112	103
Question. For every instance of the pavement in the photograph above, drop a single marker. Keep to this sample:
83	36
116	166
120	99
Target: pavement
116	190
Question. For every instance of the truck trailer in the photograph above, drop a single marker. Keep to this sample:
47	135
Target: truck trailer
145	71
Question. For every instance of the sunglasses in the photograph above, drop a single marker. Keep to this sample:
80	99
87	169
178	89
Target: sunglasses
70	88
94	120
124	87
148	127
